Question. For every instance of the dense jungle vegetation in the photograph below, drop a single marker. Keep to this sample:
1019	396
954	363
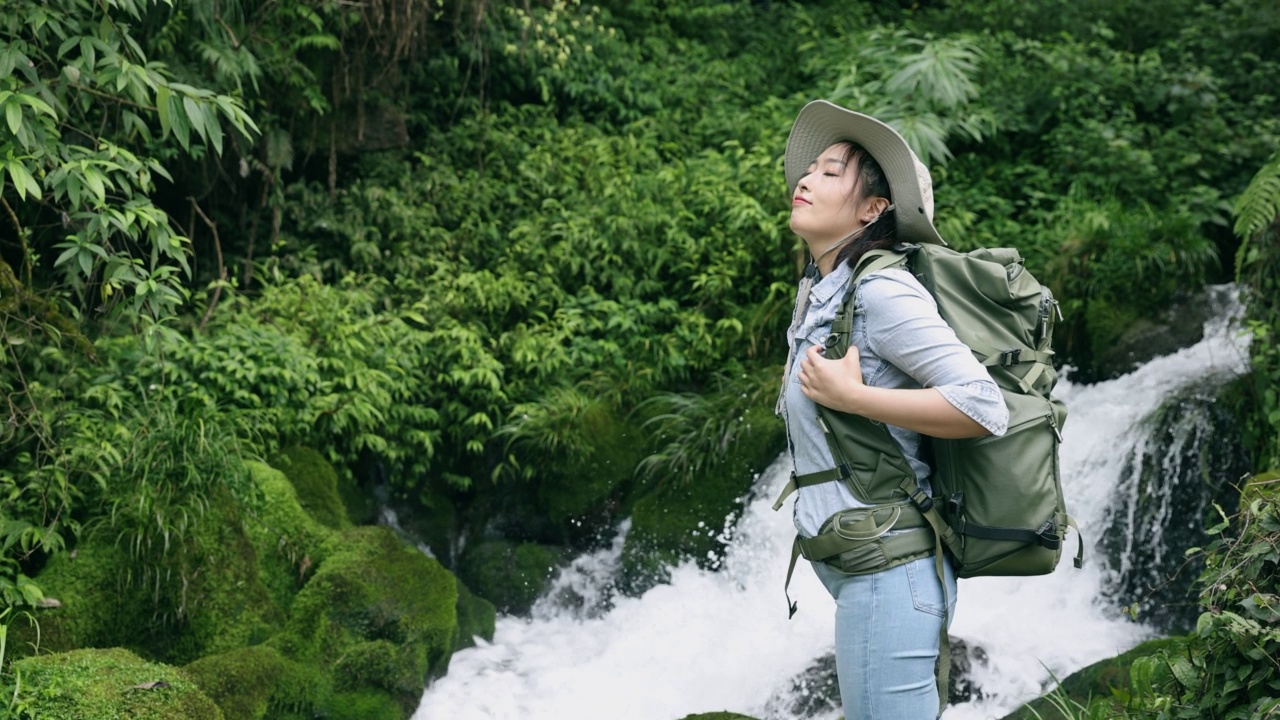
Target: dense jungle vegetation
519	269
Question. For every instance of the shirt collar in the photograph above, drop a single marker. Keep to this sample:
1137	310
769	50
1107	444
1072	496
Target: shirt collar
832	284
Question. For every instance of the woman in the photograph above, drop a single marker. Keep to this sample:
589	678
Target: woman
857	187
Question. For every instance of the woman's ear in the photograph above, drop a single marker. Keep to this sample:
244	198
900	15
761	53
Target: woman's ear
874	207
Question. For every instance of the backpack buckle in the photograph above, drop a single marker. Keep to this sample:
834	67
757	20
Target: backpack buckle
1011	357
1047	535
922	501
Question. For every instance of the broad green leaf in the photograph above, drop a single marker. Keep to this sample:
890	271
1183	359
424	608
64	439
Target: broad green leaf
213	127
23	182
163	109
194	115
94	180
13	114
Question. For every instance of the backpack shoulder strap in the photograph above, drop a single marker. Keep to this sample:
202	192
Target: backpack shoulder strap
838	340
876	260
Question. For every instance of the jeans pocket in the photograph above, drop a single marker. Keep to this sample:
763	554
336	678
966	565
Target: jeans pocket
926	587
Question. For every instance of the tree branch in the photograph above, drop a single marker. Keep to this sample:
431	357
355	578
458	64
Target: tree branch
222	269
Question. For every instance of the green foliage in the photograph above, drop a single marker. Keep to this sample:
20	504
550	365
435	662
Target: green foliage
88	115
1115	264
733	436
1257	267
922	87
1227	668
698	432
1259	205
470	241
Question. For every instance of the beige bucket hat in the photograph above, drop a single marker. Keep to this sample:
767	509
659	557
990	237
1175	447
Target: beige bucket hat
821	124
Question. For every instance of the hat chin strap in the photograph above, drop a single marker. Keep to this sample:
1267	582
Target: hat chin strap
851	237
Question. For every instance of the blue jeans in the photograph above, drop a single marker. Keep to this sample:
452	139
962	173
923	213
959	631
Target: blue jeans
887	629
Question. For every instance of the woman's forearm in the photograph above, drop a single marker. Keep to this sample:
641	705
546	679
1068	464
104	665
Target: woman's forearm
922	410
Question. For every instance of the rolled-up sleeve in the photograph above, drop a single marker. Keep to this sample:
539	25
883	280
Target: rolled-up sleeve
903	327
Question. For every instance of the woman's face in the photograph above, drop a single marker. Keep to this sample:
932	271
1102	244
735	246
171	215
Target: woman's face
825	207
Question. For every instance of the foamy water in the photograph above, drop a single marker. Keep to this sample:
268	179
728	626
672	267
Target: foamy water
711	641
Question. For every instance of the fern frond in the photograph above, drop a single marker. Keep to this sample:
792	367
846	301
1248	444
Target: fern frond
1259	204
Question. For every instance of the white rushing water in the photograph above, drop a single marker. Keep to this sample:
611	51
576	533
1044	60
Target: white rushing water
712	641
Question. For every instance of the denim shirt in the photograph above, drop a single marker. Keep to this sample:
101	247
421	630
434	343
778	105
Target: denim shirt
902	343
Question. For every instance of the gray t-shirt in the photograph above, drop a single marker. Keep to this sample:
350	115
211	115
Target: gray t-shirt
903	343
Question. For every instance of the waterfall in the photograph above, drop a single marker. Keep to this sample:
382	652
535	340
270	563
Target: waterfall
712	641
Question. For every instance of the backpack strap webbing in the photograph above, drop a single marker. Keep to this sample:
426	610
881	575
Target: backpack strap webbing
1079	559
943	536
795	482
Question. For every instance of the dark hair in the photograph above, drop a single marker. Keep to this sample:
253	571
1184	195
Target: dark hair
871	182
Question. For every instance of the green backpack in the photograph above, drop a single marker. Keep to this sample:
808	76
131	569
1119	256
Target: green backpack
998	500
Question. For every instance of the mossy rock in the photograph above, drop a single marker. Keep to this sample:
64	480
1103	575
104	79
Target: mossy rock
510	575
251	562
288	541
229	604
253	683
1095	682
718	716
377	598
477	617
94	609
676	522
105	684
316	483
364	705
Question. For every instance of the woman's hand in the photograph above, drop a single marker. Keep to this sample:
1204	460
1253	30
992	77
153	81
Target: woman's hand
832	383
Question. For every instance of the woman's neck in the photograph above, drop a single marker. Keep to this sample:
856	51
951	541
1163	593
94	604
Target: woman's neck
824	257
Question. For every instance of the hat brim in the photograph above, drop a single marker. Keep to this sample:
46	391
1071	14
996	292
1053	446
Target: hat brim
821	124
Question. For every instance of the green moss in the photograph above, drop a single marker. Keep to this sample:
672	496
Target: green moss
228	604
510	575
364	705
288	542
258	682
718	716
94	605
477	617
1097	681
104	684
679	521
378	599
316	483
